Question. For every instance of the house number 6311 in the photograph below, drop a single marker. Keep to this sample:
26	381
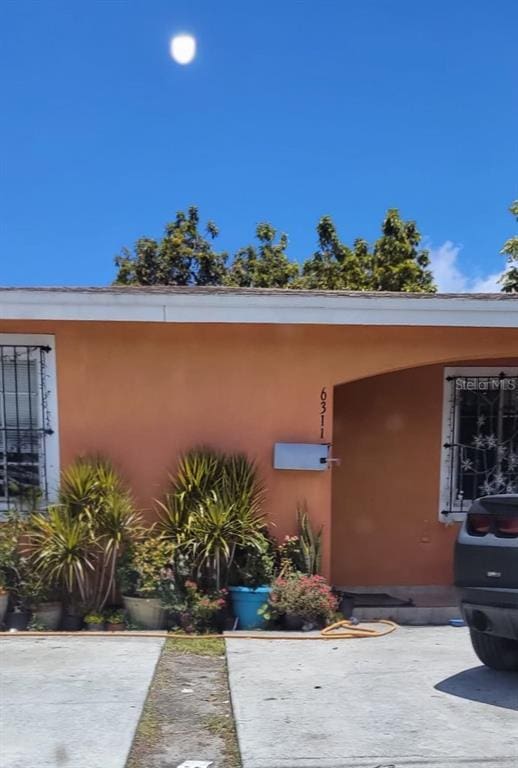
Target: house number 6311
323	409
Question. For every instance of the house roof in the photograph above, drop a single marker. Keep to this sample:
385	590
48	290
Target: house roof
164	304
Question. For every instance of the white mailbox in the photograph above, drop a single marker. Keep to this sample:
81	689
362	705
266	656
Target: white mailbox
306	456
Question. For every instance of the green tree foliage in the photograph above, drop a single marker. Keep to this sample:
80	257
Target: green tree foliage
183	256
509	279
266	266
398	262
335	266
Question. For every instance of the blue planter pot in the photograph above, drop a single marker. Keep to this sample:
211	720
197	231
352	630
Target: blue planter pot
246	603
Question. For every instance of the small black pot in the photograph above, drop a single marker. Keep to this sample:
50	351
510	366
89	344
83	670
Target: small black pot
293	622
223	620
18	620
71	623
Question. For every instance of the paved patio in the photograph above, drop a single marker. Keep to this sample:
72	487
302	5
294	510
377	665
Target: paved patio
72	702
418	698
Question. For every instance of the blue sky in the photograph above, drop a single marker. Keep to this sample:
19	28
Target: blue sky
291	110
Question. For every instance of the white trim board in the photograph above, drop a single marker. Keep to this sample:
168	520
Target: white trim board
269	308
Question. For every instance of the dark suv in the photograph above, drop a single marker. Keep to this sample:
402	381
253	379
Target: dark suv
486	573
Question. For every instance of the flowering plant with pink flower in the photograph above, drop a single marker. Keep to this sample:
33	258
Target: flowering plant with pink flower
198	611
309	597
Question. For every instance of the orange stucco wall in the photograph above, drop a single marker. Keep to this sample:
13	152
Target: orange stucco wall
386	491
143	392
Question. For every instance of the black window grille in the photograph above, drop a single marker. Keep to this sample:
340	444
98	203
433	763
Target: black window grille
24	424
482	443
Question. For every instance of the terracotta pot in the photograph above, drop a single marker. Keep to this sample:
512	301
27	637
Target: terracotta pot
115	627
147	612
4	599
48	614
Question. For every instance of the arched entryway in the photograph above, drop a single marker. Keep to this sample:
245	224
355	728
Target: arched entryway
389	490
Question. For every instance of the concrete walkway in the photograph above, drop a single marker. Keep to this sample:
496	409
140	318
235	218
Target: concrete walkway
72	702
418	698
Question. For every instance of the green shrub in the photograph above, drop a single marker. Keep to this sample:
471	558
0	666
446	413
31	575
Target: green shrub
94	618
146	566
309	597
115	617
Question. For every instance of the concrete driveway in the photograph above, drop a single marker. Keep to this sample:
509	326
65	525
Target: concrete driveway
416	698
72	702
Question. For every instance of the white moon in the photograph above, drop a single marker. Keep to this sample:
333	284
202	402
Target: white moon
183	49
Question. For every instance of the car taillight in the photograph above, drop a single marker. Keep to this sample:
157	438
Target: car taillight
479	525
507	525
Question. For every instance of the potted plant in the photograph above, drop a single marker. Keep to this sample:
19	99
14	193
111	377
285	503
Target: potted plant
251	575
45	604
115	621
72	618
143	576
59	547
78	544
301	553
11	532
212	515
22	589
94	622
225	519
301	601
195	610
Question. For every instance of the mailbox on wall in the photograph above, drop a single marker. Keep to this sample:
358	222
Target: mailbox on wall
305	456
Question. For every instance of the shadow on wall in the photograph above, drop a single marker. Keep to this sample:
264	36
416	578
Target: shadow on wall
484	685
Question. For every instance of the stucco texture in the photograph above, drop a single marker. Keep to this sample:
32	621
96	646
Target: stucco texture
143	392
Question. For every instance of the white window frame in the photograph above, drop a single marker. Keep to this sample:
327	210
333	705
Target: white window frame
51	409
448	395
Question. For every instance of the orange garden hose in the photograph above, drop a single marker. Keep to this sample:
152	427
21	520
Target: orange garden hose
350	631
353	630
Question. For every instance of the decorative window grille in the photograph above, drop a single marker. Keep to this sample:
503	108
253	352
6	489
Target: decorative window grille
480	451
24	425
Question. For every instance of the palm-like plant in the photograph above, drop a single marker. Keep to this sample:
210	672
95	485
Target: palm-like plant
61	550
217	529
82	539
214	508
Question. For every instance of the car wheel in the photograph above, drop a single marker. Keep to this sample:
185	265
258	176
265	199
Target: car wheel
495	652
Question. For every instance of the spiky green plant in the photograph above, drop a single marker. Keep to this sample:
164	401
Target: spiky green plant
61	550
310	542
217	528
173	513
199	473
90	528
213	508
240	483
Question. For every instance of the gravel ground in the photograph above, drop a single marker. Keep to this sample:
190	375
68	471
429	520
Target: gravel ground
187	715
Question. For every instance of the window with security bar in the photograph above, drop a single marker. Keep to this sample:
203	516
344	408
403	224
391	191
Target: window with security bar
480	445
26	428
